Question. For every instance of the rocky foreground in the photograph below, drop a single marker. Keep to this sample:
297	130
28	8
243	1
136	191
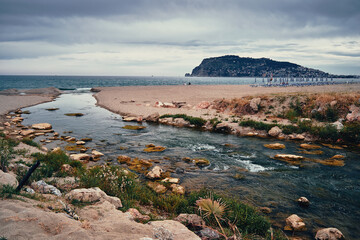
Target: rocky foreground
63	211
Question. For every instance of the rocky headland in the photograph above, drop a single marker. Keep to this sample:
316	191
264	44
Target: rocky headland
235	66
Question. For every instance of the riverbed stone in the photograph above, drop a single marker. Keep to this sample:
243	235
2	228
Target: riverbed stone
96	154
171	180
42	126
80	157
337	156
123	159
27	132
309	146
92	195
201	162
303	202
329	234
80	143
289	157
155	172
275	146
295	223
177	189
157	187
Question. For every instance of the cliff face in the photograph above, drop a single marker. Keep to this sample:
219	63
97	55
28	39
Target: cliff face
235	66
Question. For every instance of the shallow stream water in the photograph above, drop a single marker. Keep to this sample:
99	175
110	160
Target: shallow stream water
334	192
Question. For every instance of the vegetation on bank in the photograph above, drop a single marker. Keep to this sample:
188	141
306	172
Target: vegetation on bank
350	133
199	122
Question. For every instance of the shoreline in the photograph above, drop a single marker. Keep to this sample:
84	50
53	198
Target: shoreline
140	100
12	99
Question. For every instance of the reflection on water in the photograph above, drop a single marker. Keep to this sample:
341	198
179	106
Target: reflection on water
334	192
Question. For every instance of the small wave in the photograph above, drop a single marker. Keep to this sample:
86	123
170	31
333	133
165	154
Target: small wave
202	147
76	90
252	167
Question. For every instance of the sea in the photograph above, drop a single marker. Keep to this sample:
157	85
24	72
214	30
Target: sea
76	82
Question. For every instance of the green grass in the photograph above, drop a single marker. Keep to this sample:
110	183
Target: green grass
199	122
30	142
257	125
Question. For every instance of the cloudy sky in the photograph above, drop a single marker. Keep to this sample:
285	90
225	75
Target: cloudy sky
171	37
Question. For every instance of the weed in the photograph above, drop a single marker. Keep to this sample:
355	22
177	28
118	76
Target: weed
6	152
30	142
199	122
257	125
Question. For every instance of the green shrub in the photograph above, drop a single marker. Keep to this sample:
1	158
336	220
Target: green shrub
215	122
257	125
351	133
6	152
30	142
7	191
199	122
328	133
331	114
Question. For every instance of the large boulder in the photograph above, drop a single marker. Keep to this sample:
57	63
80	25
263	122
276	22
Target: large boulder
295	223
329	234
8	179
255	103
275	131
155	172
42	126
42	187
92	195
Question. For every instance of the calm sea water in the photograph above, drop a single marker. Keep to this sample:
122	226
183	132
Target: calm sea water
74	82
334	192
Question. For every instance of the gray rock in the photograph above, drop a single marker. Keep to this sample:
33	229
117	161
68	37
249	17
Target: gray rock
275	131
208	233
329	234
339	126
254	104
43	187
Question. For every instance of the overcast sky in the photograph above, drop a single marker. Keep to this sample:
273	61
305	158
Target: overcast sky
171	37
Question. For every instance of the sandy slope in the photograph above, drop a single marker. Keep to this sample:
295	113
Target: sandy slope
140	100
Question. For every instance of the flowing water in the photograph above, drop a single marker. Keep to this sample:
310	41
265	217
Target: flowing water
334	192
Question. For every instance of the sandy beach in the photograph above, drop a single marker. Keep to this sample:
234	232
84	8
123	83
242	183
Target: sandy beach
12	99
140	100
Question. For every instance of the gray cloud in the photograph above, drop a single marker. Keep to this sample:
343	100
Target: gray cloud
44	28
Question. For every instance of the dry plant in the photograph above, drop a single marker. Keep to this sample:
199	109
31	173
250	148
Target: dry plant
209	207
